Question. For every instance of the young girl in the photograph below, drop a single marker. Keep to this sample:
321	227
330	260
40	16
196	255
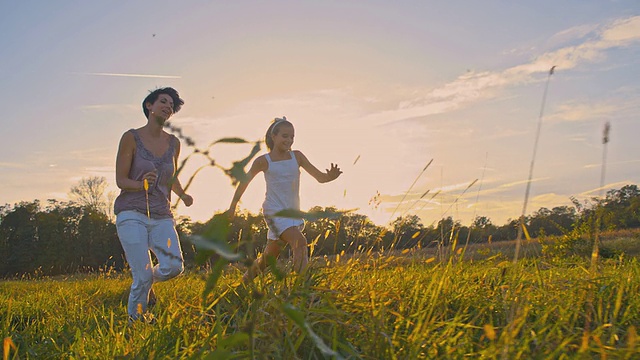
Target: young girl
282	176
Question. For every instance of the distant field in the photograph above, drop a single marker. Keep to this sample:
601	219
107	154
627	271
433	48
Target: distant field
403	306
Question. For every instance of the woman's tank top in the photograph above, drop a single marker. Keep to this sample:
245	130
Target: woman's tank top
160	192
283	185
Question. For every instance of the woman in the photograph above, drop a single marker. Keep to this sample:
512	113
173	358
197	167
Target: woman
145	172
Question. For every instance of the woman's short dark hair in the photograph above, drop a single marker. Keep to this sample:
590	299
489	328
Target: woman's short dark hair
153	96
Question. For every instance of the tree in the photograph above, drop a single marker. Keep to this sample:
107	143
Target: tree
623	196
57	229
90	193
481	222
20	233
326	231
508	231
360	233
407	230
622	208
480	229
97	242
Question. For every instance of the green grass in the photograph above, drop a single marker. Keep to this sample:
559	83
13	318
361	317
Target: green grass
406	306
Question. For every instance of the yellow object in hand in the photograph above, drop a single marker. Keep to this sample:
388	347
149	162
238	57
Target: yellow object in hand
145	184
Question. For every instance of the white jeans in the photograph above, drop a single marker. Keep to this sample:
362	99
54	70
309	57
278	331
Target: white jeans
138	234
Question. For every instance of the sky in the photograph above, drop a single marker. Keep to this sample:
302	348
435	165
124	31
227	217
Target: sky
381	88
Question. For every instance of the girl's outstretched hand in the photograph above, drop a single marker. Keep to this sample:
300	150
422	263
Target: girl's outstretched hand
333	172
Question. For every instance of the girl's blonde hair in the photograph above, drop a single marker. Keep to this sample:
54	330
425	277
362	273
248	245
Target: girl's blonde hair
273	129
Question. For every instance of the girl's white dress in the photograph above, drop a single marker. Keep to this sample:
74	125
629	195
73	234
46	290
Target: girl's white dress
283	192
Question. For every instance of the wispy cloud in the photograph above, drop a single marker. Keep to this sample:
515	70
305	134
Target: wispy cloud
598	190
99	170
475	86
108	107
584	111
449	188
522	50
57	195
154	76
495	190
589	166
573	34
91	154
620	33
8	165
515	183
590	110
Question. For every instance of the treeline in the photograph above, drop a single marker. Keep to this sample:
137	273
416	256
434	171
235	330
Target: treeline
58	238
66	237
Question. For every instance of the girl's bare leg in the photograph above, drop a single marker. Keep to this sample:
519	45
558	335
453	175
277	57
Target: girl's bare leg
272	249
298	243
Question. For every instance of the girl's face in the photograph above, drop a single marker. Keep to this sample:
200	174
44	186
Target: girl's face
284	138
162	108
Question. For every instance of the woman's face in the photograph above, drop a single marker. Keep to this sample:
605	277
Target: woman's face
161	109
284	138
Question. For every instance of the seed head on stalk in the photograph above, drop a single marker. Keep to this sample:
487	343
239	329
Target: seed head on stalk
596	239
145	184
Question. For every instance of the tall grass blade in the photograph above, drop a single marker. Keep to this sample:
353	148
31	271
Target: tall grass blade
410	187
533	159
236	172
298	318
475	210
231	140
455	201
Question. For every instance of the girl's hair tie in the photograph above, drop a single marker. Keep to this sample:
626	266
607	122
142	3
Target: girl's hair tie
276	121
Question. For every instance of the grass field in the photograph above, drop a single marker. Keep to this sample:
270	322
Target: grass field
402	306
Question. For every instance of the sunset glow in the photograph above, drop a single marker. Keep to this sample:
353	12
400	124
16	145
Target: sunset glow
380	88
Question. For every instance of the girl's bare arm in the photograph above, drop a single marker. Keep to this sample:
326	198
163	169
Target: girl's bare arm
259	164
322	177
